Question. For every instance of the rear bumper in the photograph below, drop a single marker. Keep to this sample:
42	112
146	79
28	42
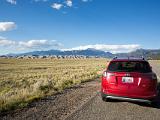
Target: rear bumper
146	95
127	98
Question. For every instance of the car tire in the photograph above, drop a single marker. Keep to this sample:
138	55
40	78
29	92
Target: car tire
104	99
153	103
103	96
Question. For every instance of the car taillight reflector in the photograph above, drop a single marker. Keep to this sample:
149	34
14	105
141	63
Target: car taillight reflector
110	75
106	74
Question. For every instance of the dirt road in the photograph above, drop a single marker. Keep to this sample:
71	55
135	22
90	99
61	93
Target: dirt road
83	102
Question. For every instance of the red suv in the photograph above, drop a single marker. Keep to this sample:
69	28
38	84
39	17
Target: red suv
129	79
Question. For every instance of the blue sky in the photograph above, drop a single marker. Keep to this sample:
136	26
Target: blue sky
109	25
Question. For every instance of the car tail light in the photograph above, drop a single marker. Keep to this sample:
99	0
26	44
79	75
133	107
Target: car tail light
104	74
111	78
108	75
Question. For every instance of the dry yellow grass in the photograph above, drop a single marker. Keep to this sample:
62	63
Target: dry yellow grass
23	80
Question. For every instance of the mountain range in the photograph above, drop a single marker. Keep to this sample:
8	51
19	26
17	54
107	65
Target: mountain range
147	53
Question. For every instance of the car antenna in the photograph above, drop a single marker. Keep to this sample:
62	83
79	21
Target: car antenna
115	57
143	57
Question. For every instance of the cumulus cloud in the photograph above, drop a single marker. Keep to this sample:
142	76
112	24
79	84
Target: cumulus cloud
4	42
65	4
108	48
36	44
69	3
13	2
6	26
30	45
57	6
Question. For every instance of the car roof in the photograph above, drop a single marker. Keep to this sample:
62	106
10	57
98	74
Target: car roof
128	59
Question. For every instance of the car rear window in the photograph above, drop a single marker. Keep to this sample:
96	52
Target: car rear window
129	66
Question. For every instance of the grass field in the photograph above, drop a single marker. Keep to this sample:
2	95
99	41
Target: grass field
24	80
156	64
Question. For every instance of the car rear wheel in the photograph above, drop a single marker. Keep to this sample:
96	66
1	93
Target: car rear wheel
104	99
153	103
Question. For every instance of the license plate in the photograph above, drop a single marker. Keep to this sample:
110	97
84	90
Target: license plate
127	79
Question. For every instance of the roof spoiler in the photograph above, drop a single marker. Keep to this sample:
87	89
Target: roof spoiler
129	57
115	57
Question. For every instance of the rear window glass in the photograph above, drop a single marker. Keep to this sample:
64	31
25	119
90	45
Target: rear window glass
129	66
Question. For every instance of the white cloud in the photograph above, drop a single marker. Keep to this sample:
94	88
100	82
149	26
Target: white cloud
35	44
13	2
30	45
25	46
57	6
109	48
4	42
6	26
69	3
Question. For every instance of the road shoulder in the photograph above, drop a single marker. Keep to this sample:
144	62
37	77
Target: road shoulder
58	106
